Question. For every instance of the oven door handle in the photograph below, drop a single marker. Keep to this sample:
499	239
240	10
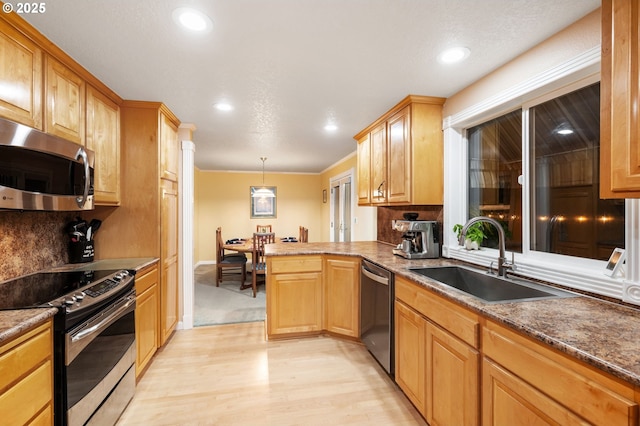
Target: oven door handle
80	339
375	277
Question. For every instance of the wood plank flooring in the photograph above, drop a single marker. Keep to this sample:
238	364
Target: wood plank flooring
229	375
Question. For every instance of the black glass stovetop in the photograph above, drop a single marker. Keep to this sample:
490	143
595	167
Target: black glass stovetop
38	289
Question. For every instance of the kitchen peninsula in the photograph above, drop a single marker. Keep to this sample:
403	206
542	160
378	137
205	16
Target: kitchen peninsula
577	358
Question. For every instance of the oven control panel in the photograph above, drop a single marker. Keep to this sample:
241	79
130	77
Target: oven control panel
94	292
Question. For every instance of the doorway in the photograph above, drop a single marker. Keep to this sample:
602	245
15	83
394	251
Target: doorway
341	207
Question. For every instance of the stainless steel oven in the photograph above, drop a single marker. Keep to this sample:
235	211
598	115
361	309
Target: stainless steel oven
94	339
376	313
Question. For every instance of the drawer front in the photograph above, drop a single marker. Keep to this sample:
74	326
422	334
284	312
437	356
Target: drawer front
291	264
579	388
27	397
455	319
146	280
25	353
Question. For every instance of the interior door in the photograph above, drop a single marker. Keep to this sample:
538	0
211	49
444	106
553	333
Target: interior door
341	209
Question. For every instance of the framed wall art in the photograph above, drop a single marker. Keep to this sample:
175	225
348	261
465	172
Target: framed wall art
263	206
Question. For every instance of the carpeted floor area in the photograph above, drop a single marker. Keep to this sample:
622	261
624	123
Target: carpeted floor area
225	304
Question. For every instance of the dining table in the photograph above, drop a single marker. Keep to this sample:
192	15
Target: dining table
245	245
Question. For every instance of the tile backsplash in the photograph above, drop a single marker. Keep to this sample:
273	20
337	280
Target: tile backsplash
387	214
32	241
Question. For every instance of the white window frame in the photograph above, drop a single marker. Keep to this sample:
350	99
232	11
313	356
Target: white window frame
574	272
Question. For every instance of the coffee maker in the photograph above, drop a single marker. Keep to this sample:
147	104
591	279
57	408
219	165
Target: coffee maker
419	239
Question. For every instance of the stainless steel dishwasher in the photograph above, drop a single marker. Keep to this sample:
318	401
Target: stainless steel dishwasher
376	313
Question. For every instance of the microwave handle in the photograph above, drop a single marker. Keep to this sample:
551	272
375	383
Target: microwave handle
82	154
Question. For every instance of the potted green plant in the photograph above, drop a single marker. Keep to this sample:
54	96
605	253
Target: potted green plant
474	236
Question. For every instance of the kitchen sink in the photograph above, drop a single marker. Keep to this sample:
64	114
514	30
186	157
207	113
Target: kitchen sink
491	288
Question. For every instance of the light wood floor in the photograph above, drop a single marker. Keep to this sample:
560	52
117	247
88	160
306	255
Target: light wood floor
229	375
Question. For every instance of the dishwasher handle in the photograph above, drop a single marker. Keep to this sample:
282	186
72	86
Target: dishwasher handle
375	277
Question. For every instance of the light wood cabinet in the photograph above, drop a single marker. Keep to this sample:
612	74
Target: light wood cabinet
26	377
619	115
364	170
170	149
436	355
148	214
525	382
410	354
406	155
342	295
21	76
294	295
103	138
169	256
147	317
65	102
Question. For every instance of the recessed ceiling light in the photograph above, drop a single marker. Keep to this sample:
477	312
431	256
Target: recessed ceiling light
192	19
223	106
331	127
453	55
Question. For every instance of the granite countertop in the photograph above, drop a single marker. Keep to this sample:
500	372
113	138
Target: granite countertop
15	322
598	332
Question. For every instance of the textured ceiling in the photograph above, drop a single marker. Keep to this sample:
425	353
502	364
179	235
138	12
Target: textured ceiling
289	66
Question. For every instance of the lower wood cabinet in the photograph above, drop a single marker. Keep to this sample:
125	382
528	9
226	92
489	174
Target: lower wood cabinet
435	366
525	382
342	295
26	377
147	317
294	295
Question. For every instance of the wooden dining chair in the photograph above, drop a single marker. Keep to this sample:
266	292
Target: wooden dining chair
232	260
258	262
304	235
261	229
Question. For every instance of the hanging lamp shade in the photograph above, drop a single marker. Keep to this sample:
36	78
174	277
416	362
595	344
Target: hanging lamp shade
263	192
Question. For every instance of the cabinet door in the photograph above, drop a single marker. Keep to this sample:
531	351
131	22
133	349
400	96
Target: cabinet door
379	164
147	316
364	171
65	102
342	295
452	391
169	148
620	95
410	354
508	400
169	259
294	303
103	137
21	71
399	158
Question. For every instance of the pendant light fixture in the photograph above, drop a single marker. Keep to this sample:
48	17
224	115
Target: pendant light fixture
263	192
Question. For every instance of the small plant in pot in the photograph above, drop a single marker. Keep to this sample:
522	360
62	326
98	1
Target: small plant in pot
473	238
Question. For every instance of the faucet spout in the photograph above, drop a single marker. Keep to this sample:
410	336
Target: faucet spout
502	261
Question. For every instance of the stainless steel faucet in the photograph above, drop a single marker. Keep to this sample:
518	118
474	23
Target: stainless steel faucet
503	266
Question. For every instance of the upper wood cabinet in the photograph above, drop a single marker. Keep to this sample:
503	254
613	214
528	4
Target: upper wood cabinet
406	154
103	138
170	150
620	95
20	78
65	102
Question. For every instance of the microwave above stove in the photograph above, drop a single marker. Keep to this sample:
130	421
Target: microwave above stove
39	171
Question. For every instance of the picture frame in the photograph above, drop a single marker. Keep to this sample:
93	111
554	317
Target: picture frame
263	207
615	263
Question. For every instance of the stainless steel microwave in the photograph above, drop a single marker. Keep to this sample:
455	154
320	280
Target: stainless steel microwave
39	171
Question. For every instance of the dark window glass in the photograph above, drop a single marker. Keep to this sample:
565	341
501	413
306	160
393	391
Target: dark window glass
568	217
495	162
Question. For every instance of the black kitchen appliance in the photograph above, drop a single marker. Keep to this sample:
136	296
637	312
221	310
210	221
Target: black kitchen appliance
94	339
